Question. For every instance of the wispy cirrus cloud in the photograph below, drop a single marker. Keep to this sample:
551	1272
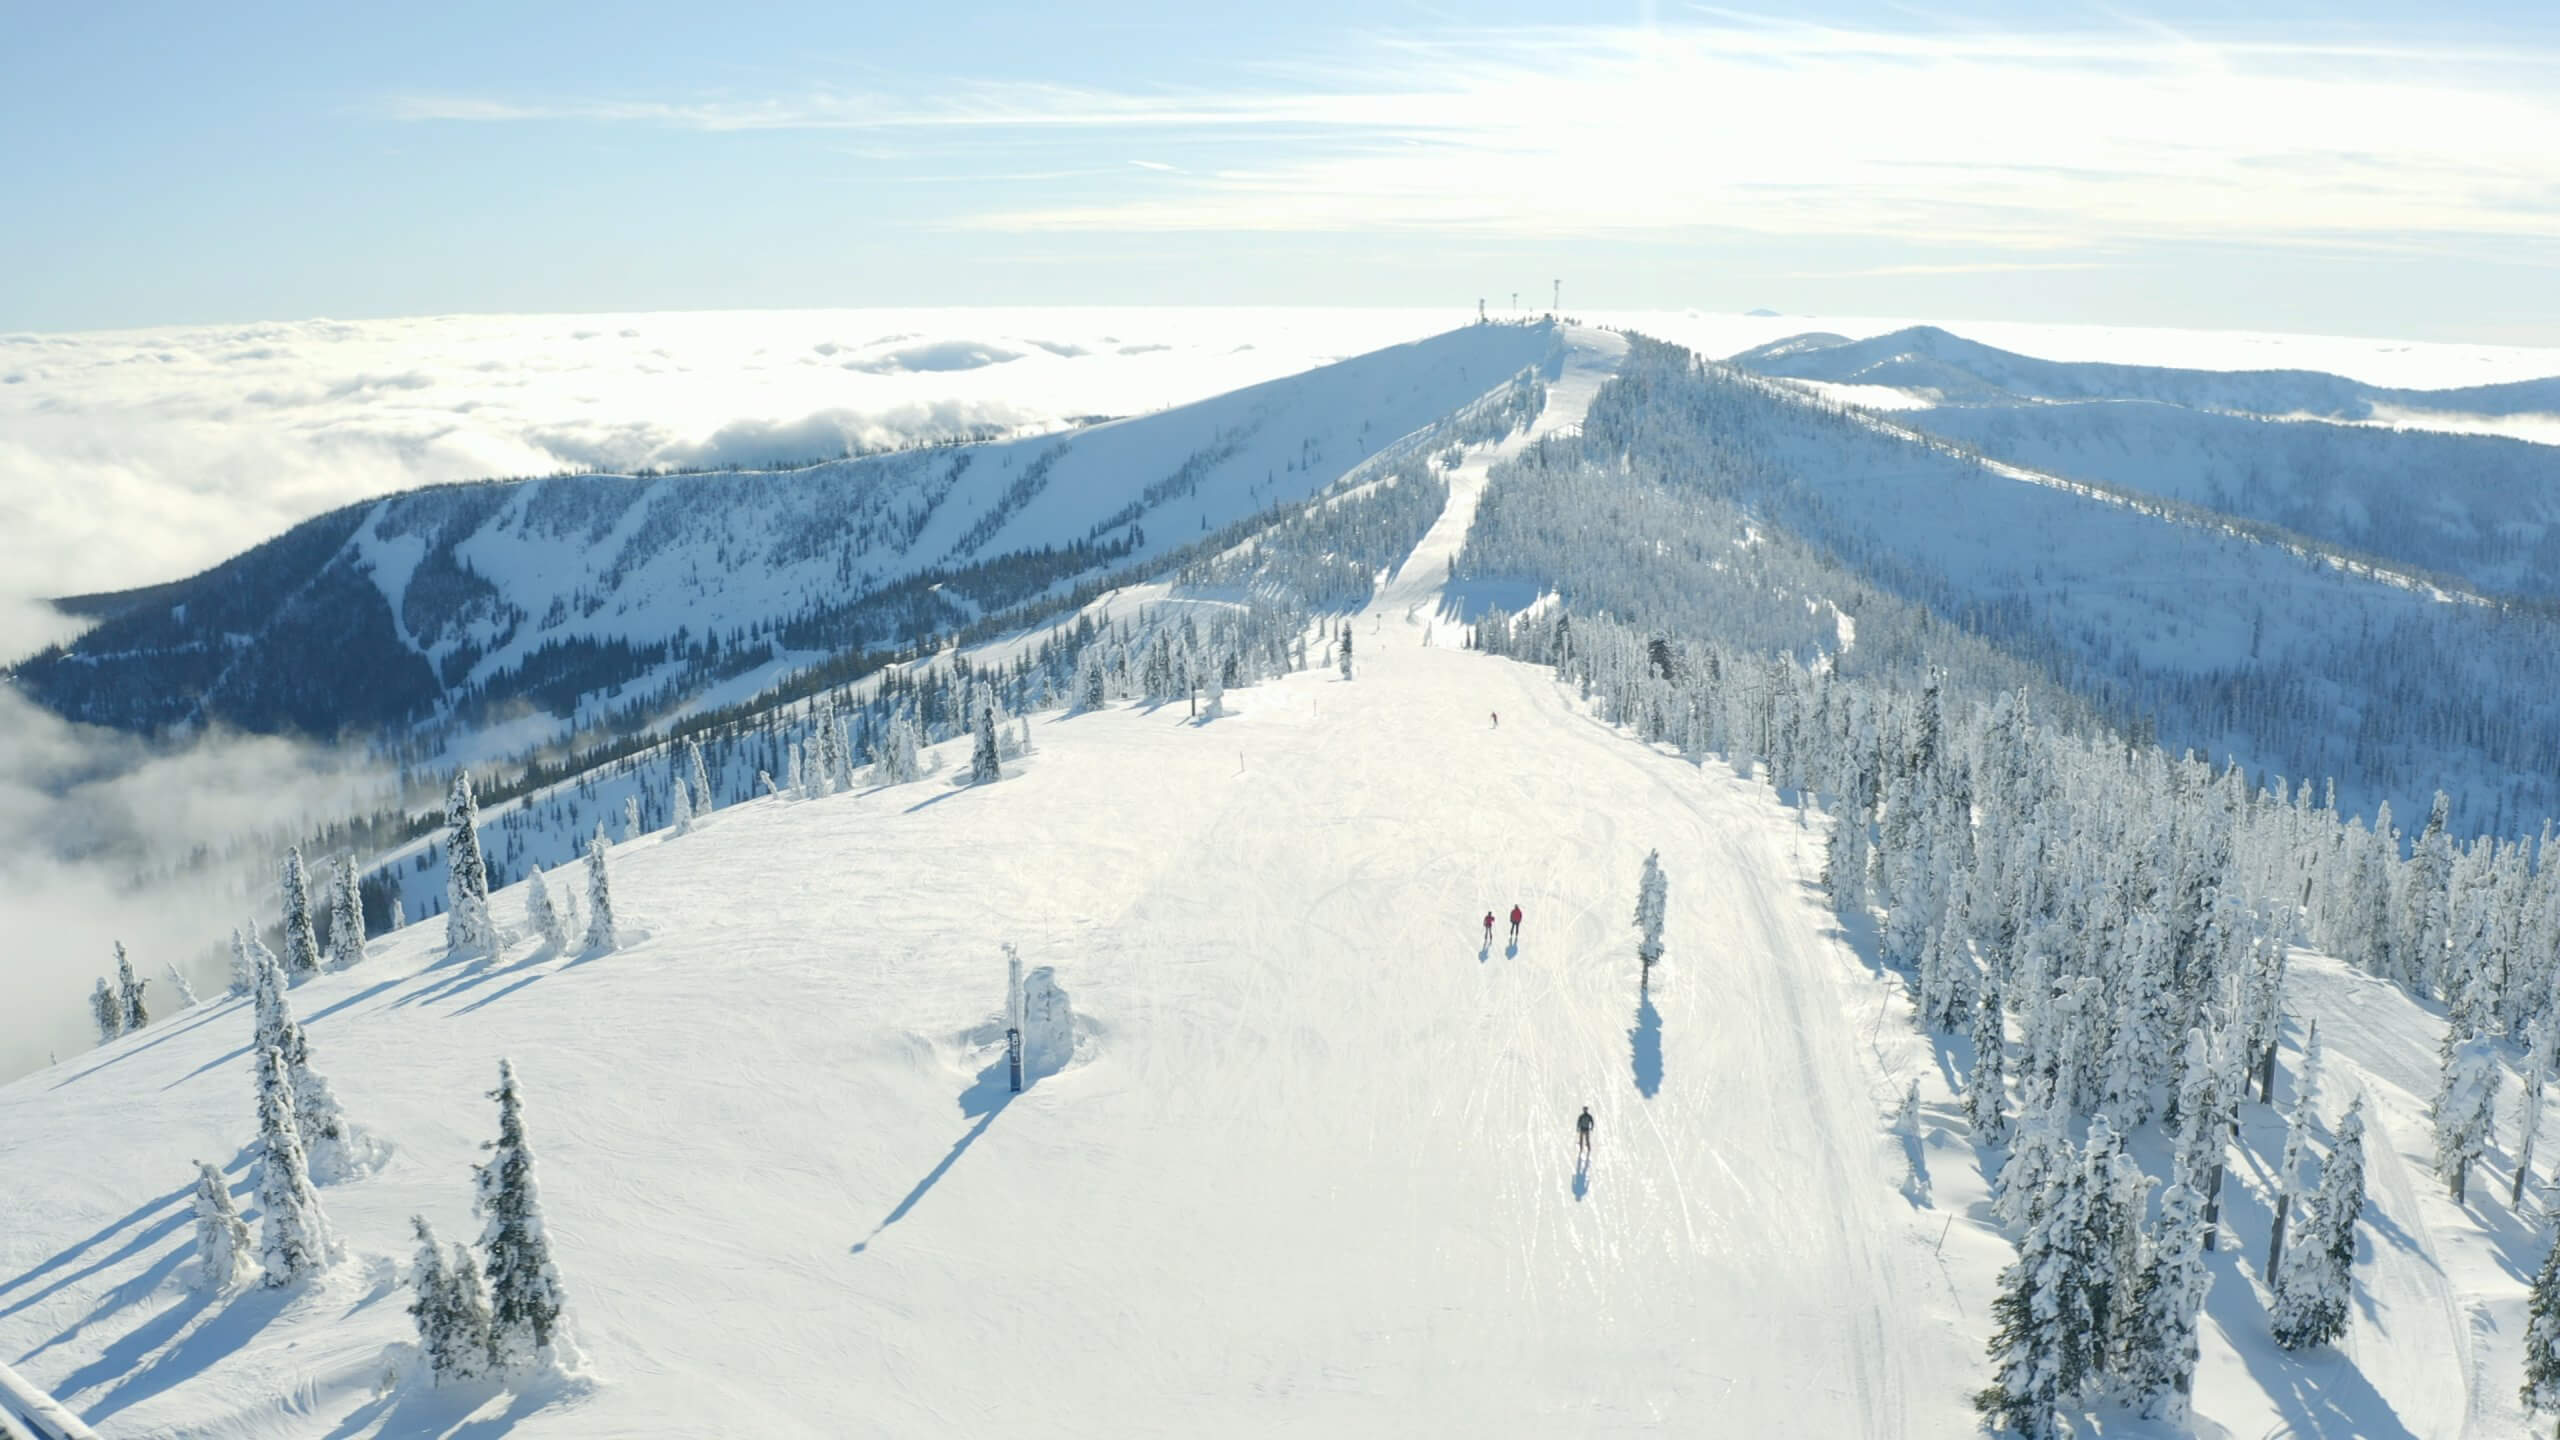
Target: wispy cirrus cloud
2036	140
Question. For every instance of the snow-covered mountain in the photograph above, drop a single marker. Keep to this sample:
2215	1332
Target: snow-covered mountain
1308	1163
571	597
1948	369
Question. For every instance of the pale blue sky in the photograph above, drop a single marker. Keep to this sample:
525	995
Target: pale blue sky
2329	168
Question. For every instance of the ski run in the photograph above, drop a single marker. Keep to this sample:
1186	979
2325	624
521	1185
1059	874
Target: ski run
1307	1165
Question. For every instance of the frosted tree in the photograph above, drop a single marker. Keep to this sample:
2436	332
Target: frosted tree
600	927
137	1011
791	782
1092	686
764	782
1346	649
2541	1041
301	927
525	1299
2174	1288
631	817
467	927
2048	1341
2314	1281
680	806
107	1010
295	1241
346	917
224	1258
1845	859
1214	704
984	764
1986	1084
178	982
2542	1337
451	1309
539	912
701	776
399	916
2464	1110
1652	893
2425	907
333	1147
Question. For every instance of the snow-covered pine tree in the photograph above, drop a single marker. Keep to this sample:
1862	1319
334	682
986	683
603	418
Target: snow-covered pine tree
451	1309
467	927
178	982
1092	686
332	1147
792	784
541	913
2205	1108
107	1010
2425	910
2314	1281
680	806
346	917
983	762
601	935
223	1255
525	1299
301	927
764	782
2046	1347
702	801
1845	858
1986	1084
1652	896
2174	1290
1346	649
1214	704
2465	1109
137	1011
2541	1039
295	1241
2288	1185
631	817
2541	1391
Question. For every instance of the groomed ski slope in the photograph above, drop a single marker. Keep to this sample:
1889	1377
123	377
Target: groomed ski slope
1312	1171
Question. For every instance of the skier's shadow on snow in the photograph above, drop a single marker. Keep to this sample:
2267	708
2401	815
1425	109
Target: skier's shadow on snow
1582	1176
985	1099
1646	1039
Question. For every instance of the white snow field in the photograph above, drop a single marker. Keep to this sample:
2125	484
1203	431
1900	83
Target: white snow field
1311	1170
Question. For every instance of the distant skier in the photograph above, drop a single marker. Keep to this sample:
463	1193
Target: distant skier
1515	922
1497	719
1582	1129
1488	929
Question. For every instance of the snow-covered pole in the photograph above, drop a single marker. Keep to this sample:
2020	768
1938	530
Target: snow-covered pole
43	1415
1013	1055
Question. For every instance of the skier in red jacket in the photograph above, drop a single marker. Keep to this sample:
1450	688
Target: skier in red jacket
1488	927
1515	922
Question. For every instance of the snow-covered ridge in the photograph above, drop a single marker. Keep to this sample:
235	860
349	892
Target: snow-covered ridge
561	594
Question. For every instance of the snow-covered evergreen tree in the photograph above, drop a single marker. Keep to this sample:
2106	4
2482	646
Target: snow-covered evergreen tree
702	801
451	1309
468	928
107	1010
541	913
295	1241
983	762
223	1255
1346	649
680	806
2047	1346
178	982
2541	1391
2174	1288
1845	859
2314	1281
601	935
1652	896
137	1010
301	927
2542	1039
525	1298
333	1147
1092	685
631	817
346	917
2465	1109
1986	1088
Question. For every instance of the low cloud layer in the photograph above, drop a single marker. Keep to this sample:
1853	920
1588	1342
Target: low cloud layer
132	457
107	838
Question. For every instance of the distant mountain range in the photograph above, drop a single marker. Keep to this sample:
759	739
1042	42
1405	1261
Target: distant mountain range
552	603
